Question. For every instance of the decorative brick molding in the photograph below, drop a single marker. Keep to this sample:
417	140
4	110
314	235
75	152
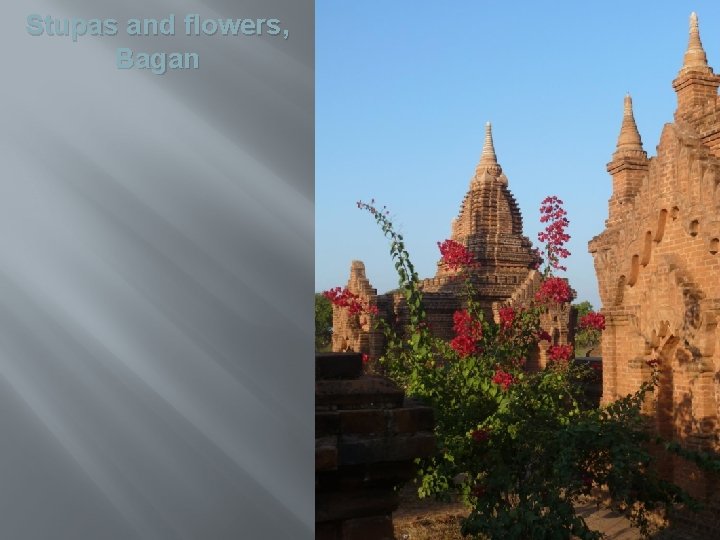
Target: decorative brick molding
367	436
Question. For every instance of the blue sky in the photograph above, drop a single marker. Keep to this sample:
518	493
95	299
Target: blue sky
403	91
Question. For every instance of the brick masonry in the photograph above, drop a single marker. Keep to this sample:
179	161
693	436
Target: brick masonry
367	436
657	266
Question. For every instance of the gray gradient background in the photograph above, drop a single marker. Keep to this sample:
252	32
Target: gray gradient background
156	270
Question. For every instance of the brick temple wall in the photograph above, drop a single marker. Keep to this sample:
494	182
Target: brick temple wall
658	266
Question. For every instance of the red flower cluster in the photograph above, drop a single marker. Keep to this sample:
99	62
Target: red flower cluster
554	289
503	379
554	235
346	299
542	335
463	345
467	333
592	320
455	255
507	317
464	324
560	353
365	358
480	435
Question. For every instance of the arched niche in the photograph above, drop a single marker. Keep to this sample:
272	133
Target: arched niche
714	246
662	220
634	270
694	227
620	291
647	248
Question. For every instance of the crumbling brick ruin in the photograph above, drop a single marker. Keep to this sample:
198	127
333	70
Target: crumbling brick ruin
490	226
658	266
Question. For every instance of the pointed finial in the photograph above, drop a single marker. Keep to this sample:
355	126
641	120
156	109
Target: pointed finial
488	156
629	141
695	58
488	159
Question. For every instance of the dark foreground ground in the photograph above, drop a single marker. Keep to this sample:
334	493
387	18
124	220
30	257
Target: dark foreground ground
428	519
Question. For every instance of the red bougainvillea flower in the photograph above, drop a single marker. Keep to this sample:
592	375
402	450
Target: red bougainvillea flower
480	435
555	290
467	332
560	353
463	345
594	321
554	236
455	256
344	298
464	324
503	379
365	358
542	335
507	317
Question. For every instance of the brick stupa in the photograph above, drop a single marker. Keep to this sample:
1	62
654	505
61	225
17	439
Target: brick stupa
489	224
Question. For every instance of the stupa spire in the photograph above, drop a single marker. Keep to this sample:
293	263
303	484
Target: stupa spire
695	58
488	156
696	84
629	141
629	163
488	160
